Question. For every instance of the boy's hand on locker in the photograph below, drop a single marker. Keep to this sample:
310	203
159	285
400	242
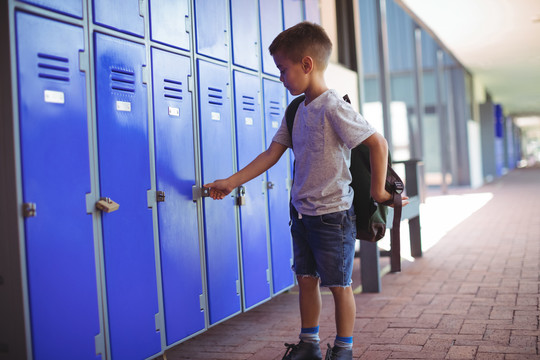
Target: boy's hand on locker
219	189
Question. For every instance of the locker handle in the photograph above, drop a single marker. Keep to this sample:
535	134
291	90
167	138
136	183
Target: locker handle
29	210
241	196
107	205
199	192
270	185
160	196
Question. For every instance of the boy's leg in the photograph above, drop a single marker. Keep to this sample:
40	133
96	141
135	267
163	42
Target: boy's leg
310	301
309	298
345	310
334	253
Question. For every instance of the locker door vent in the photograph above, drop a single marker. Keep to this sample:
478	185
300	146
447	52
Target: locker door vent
215	96
275	108
173	89
53	67
248	103
123	80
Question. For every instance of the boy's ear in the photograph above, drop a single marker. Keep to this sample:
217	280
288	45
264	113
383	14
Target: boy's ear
307	64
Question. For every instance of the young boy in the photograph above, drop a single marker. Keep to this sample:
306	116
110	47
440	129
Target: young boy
323	229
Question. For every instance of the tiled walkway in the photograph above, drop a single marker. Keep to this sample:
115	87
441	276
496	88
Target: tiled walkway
473	295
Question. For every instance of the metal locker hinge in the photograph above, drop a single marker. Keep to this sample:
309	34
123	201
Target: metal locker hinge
100	344
142	8
199	192
84	64
107	205
241	196
160	196
145	75
29	210
151	198
191	83
268	275
238	287
158	322
90	203
202	302
288	184
188	24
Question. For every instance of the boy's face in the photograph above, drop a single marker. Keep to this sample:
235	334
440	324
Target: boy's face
292	74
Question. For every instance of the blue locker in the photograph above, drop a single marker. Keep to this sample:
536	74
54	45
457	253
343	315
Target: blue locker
245	33
217	163
311	11
293	12
170	23
121	15
271	25
211	28
68	7
128	243
175	176
252	219
60	259
278	196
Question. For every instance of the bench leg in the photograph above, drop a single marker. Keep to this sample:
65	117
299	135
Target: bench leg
369	267
415	237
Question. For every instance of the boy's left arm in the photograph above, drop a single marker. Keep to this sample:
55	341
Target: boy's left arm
378	150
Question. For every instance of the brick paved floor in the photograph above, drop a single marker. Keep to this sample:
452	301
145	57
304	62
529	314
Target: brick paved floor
473	295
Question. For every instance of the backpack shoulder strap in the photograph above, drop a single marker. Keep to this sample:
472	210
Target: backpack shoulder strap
290	112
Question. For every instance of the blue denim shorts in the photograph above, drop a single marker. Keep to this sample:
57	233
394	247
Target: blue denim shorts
324	246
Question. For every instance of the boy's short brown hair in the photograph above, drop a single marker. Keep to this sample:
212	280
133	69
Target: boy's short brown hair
303	39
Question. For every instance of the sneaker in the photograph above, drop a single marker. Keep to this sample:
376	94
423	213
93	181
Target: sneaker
303	351
337	353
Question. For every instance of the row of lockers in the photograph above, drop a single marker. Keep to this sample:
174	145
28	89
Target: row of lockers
142	270
170	23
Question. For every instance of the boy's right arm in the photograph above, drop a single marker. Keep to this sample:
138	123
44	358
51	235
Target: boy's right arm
221	188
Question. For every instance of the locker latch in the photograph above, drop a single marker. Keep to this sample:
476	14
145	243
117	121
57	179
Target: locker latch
199	192
160	196
107	205
269	185
241	196
29	210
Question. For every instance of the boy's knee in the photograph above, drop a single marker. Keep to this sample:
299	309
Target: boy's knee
341	290
305	281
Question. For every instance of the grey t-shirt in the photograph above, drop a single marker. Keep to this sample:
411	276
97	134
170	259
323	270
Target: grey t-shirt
324	132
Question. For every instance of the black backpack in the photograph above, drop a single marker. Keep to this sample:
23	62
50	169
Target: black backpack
370	216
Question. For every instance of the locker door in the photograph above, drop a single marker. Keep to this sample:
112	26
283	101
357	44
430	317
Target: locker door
252	219
60	256
278	196
293	12
175	175
121	15
68	7
130	269
312	12
271	26
211	28
217	163
170	22
245	33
